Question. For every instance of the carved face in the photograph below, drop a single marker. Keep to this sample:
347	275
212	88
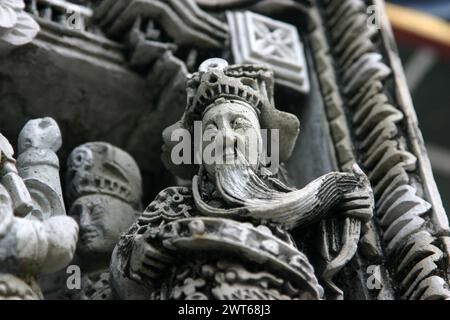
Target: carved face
234	128
102	219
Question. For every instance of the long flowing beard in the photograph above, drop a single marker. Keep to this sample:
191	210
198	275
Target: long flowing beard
239	185
254	198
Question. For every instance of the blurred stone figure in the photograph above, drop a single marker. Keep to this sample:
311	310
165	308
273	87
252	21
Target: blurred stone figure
104	190
36	236
38	164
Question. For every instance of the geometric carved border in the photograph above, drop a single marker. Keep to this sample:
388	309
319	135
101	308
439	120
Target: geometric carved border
261	40
414	234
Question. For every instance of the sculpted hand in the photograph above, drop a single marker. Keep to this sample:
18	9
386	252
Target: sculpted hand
358	203
62	235
183	21
44	246
146	260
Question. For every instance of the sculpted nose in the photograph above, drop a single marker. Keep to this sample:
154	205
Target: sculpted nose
85	219
228	137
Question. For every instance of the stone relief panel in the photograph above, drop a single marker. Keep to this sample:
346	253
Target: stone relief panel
261	40
225	232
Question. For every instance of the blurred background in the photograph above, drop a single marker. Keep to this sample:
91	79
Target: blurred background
422	31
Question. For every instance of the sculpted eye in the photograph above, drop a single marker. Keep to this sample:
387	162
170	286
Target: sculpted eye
241	123
81	158
211	127
97	212
76	211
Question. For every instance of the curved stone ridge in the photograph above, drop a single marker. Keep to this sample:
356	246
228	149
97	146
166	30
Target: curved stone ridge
402	213
342	141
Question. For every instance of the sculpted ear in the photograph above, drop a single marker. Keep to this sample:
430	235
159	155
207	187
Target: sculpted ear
183	171
288	126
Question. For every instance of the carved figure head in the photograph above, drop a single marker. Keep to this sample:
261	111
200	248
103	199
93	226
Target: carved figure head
104	189
233	129
237	101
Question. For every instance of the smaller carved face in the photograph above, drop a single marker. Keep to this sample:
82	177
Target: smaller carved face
102	220
231	130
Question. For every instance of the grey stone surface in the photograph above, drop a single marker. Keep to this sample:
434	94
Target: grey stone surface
39	81
318	241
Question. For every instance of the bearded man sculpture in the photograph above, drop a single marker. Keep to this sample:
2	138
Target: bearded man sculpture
228	236
104	190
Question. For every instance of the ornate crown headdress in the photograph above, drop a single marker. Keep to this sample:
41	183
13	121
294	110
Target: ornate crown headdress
252	84
101	168
217	82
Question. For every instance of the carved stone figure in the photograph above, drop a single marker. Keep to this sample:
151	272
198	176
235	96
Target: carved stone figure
104	189
36	236
226	231
228	237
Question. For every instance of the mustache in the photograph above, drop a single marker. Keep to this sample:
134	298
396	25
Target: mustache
239	185
87	234
251	196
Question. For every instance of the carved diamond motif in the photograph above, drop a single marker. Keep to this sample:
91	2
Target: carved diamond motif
262	40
